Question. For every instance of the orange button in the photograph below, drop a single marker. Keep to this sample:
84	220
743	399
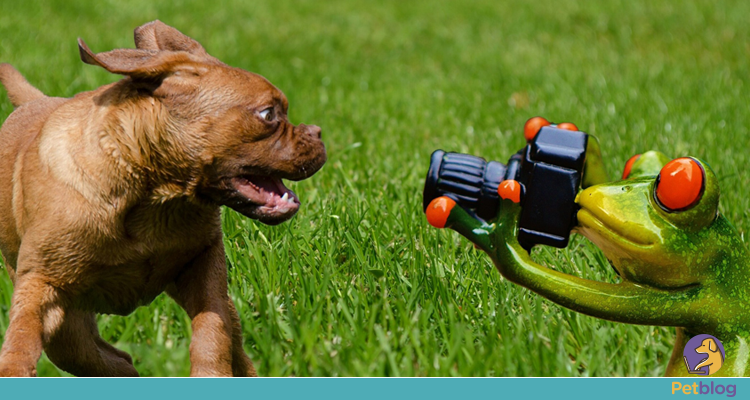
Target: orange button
532	127
568	126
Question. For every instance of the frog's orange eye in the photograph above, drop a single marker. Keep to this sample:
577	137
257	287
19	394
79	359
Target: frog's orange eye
532	127
679	185
568	126
629	165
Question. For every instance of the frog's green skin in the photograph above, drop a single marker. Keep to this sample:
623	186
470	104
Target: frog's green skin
684	269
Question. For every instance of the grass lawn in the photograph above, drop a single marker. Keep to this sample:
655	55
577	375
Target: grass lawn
358	284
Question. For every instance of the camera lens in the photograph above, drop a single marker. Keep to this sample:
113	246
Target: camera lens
469	180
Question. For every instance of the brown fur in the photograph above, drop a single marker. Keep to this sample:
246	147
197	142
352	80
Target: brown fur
113	196
19	90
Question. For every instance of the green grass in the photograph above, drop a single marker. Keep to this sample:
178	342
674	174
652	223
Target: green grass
358	284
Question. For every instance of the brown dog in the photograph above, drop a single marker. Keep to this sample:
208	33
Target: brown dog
112	197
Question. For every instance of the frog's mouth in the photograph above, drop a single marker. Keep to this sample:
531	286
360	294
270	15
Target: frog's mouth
603	233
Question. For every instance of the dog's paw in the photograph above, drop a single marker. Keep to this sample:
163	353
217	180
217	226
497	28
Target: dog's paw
11	369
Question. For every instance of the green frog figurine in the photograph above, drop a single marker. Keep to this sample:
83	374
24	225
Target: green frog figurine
681	263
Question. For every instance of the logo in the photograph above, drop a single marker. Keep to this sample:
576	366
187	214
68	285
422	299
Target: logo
700	388
704	355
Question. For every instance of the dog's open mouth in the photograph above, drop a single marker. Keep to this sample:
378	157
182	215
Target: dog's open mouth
274	202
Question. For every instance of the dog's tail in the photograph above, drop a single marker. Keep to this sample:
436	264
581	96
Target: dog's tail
19	89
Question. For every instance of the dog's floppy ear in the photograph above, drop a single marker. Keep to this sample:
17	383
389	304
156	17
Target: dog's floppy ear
712	345
157	35
136	63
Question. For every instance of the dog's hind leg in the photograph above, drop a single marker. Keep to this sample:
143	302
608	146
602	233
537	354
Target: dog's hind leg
20	91
77	348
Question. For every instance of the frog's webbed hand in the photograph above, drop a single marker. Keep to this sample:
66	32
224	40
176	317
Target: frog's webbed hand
443	212
623	302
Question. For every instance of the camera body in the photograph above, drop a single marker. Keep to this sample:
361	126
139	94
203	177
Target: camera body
549	169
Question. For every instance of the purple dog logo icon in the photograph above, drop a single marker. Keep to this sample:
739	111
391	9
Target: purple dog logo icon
704	355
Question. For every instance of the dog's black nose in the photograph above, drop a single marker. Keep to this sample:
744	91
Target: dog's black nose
312	130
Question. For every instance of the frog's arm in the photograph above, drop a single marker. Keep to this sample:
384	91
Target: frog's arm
593	171
623	302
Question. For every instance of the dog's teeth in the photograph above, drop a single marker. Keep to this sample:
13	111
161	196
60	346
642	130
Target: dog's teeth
285	197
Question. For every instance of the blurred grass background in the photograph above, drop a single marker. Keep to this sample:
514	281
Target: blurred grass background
357	284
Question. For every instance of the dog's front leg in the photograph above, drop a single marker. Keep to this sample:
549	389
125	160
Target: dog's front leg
241	363
32	309
202	291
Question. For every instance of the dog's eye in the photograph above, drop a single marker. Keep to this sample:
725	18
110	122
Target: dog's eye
268	114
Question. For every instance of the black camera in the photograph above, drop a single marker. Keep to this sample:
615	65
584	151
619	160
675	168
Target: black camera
549	169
